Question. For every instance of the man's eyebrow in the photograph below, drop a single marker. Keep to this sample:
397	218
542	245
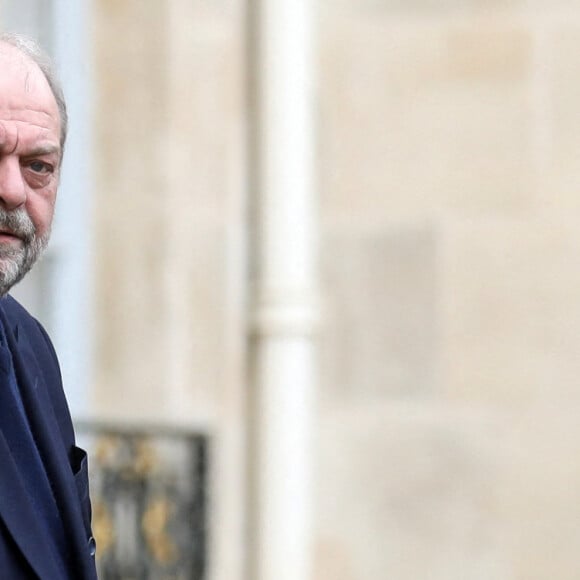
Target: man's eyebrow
43	150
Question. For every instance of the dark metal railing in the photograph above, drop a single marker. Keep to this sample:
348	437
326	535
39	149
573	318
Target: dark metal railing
149	499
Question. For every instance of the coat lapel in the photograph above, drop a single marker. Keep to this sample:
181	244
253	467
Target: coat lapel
20	518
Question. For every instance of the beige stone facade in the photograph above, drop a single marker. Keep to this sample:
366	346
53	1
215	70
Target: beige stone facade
449	440
448	419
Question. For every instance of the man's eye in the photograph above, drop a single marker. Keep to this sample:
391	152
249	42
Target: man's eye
40	167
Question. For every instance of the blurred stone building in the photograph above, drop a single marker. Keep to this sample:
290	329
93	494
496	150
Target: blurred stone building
447	440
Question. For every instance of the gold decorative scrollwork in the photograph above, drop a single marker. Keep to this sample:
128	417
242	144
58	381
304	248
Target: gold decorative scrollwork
154	525
103	528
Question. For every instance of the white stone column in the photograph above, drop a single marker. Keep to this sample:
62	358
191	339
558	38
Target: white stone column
285	300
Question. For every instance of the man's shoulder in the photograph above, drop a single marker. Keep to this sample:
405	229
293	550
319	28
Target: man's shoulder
14	310
33	343
24	323
16	314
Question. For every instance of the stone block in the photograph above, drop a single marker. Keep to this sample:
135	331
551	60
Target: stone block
406	491
537	494
163	327
420	8
205	108
423	120
558	130
510	310
380	325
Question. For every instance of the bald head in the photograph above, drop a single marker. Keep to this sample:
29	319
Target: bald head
30	50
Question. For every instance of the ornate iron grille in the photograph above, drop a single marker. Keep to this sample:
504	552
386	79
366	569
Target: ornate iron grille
148	492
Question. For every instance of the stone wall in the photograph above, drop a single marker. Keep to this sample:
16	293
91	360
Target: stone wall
449	438
170	344
448	421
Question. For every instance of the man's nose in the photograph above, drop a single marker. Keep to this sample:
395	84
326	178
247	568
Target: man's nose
12	184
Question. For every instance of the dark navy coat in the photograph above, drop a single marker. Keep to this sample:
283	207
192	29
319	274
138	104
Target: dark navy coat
24	547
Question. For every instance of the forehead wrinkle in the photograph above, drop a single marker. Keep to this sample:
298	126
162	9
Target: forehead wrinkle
43	118
33	138
17	141
13	114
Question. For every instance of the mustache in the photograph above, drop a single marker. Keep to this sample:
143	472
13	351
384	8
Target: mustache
18	223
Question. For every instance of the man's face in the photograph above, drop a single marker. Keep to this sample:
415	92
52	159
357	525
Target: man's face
30	157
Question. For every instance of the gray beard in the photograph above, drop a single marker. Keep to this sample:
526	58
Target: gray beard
15	263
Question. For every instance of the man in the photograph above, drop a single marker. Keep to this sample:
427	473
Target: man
44	504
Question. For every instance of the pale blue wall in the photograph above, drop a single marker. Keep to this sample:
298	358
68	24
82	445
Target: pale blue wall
58	290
